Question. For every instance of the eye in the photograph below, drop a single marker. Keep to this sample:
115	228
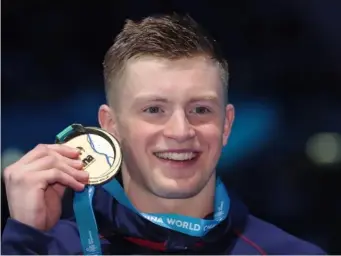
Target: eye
201	110
153	110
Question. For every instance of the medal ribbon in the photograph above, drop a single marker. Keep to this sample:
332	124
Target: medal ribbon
88	229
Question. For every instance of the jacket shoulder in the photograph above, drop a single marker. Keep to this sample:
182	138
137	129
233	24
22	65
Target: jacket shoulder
266	238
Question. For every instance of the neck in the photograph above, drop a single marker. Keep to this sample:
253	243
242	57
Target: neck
198	206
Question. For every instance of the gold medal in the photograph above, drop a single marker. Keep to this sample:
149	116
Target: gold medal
100	151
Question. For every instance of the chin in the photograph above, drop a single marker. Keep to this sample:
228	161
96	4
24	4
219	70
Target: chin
174	194
177	188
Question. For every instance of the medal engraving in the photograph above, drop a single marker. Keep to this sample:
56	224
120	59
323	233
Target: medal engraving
100	153
86	158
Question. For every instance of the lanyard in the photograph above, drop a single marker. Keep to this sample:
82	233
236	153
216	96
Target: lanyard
87	226
191	226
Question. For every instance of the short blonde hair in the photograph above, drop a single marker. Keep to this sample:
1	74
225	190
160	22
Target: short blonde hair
168	36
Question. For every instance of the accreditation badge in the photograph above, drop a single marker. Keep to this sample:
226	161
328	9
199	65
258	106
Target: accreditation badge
100	151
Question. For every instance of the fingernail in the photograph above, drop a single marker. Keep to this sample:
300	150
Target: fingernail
82	186
85	174
76	150
79	163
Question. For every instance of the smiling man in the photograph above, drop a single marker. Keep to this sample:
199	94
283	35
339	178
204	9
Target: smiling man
166	87
172	122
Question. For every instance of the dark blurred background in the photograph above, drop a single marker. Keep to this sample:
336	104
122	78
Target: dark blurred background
284	154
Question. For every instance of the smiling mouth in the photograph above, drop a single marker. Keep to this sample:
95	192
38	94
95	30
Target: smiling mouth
175	156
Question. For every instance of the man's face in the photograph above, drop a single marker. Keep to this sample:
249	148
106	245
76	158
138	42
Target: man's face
172	122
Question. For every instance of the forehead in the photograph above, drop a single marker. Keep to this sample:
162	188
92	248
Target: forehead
178	79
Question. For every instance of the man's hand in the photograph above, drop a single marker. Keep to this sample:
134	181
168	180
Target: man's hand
35	184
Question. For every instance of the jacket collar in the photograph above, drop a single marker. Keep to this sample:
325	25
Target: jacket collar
132	227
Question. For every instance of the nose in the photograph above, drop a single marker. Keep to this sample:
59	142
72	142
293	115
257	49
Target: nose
178	127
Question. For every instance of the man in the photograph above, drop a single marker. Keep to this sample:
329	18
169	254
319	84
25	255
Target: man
166	87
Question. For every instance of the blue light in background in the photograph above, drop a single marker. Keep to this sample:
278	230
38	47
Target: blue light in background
254	126
26	125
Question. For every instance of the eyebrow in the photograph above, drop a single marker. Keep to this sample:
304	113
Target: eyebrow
157	98
150	97
205	98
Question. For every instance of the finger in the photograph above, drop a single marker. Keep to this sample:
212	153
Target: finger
74	163
42	150
54	175
34	154
79	175
53	161
73	167
60	189
65	150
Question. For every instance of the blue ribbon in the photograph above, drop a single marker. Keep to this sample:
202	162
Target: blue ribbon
87	226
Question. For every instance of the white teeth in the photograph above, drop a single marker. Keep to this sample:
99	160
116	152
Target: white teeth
176	156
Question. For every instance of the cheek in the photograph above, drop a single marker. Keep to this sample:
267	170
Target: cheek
127	129
212	137
133	150
137	137
212	133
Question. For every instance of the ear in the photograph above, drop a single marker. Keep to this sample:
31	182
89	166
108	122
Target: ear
229	118
108	120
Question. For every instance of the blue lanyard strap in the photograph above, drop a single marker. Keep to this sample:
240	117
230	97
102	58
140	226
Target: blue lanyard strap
86	221
191	226
180	223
